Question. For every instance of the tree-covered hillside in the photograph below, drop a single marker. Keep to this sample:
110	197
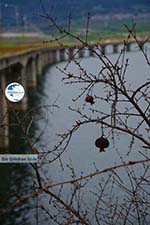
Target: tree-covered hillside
29	11
61	8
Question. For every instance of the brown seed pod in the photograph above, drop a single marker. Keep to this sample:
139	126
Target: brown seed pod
90	99
101	143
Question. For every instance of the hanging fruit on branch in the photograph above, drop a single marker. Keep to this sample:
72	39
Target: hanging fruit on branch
90	99
102	143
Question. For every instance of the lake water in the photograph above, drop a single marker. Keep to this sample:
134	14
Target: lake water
81	153
82	147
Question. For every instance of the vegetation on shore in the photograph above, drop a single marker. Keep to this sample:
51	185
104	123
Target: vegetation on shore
98	31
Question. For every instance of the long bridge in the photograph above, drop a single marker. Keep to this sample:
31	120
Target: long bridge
26	68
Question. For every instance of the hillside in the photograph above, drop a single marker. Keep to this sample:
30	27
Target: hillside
60	9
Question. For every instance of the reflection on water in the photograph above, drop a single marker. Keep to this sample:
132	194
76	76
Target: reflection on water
82	148
82	155
15	181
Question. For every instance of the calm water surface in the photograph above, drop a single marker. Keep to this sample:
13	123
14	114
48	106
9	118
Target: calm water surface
81	152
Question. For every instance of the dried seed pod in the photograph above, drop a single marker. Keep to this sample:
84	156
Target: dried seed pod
90	99
102	143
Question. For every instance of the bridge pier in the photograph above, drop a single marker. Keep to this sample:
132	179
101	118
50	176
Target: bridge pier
115	48
128	45
71	53
53	56
62	54
31	76
47	58
91	53
24	102
39	65
4	129
103	49
81	53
